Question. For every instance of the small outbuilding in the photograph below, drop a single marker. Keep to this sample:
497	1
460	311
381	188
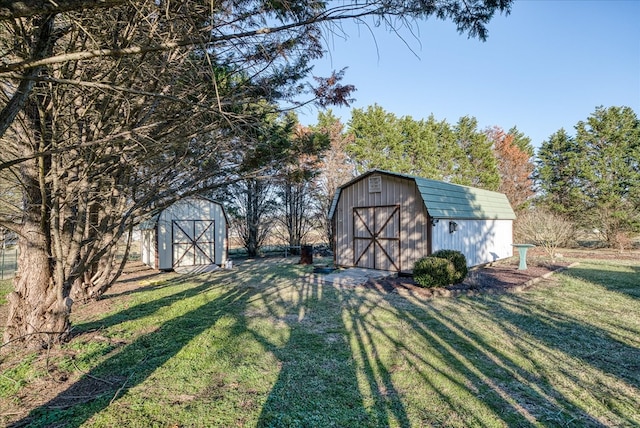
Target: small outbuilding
387	221
192	232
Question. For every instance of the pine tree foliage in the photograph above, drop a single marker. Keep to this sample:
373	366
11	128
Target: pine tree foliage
378	141
475	163
459	153
595	176
557	173
263	164
522	141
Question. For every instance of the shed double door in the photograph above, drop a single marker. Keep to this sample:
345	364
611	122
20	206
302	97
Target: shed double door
376	237
193	242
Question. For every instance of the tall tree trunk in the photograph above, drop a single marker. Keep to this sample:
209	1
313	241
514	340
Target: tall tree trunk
252	217
39	308
103	273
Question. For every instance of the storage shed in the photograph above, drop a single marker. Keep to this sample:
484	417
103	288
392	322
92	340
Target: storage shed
387	221
191	232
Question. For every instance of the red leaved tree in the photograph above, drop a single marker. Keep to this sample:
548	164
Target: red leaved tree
513	153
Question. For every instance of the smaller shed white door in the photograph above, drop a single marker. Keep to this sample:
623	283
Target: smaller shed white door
193	242
376	237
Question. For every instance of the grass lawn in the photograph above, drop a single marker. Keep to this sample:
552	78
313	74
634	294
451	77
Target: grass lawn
266	345
5	288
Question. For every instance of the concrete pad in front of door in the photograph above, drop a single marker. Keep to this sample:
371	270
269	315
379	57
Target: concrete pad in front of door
353	276
193	270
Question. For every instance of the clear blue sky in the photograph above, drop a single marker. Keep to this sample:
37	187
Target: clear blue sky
544	67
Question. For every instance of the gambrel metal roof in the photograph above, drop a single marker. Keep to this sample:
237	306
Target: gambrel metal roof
449	201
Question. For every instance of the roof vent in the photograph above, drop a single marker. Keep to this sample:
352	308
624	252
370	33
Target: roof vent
375	184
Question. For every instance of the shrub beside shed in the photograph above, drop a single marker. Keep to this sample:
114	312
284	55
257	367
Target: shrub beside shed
191	232
387	221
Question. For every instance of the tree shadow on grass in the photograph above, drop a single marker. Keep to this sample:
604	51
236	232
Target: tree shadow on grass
140	310
316	382
459	376
548	359
134	363
317	385
627	282
497	383
160	280
594	343
454	369
358	357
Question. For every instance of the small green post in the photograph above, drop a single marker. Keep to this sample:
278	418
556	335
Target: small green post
522	252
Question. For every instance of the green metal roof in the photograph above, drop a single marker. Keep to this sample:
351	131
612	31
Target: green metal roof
447	200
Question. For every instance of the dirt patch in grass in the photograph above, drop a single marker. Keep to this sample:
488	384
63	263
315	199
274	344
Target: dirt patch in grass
504	276
498	278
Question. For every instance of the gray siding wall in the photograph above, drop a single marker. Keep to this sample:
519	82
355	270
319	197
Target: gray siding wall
148	248
411	230
191	209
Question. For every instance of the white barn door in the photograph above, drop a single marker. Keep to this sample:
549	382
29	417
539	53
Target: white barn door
376	237
193	242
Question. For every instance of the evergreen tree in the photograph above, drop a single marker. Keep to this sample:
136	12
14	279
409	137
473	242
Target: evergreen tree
557	171
377	141
474	162
296	186
428	146
594	177
251	195
609	169
521	141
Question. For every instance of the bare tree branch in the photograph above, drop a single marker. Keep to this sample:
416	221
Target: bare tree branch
41	49
26	8
338	13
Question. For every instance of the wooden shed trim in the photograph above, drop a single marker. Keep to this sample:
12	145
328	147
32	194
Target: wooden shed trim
374	237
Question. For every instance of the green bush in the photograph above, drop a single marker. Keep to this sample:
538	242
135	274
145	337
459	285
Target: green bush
459	263
433	272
